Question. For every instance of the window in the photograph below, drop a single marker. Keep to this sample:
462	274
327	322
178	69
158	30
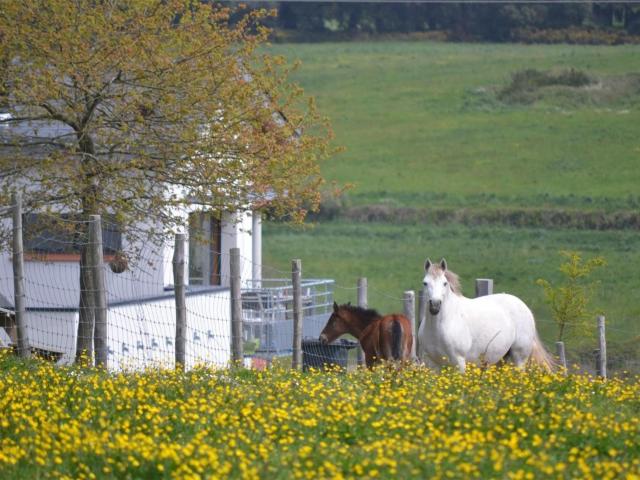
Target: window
50	238
205	237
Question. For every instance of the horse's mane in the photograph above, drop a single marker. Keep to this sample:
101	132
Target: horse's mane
368	314
454	281
452	278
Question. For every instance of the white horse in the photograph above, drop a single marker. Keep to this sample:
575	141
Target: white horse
481	330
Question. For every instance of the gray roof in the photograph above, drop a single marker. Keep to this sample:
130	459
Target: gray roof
33	131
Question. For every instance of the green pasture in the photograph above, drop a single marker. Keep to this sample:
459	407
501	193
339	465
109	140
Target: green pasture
422	126
392	258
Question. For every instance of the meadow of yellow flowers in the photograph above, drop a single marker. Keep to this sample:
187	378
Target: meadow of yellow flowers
493	423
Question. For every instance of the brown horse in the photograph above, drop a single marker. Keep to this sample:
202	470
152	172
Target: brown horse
386	337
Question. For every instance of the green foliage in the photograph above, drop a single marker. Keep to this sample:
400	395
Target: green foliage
587	23
142	109
570	300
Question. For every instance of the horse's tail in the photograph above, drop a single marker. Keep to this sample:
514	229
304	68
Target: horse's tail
396	340
540	356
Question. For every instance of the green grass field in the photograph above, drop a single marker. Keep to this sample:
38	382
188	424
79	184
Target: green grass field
392	258
423	128
420	128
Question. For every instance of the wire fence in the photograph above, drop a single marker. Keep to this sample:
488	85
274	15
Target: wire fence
141	328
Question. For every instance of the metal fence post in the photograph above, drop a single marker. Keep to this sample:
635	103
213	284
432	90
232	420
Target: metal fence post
601	367
362	302
181	306
18	279
484	286
296	274
410	313
100	298
237	355
561	354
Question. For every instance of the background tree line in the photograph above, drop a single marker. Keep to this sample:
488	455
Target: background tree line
461	21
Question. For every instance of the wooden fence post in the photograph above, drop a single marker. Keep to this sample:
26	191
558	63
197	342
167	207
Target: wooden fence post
561	354
601	367
484	286
237	354
410	313
100	298
422	314
180	297
296	274
18	279
362	302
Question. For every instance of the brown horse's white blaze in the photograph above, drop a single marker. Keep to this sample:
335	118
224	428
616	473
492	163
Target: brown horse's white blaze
386	337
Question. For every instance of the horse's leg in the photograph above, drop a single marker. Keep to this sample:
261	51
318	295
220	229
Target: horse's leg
369	359
460	363
431	364
517	357
520	361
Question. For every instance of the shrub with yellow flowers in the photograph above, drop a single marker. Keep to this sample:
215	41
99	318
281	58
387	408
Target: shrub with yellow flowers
74	422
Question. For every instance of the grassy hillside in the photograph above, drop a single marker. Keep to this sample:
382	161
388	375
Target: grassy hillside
425	125
422	127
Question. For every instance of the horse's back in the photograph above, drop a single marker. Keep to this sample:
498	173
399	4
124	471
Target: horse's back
397	338
519	312
522	321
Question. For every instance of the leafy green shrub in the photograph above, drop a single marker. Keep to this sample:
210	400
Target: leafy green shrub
569	300
526	83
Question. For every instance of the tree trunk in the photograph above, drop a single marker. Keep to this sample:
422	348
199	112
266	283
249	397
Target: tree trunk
86	307
86	319
561	332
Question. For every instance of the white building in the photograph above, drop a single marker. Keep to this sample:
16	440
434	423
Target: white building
141	305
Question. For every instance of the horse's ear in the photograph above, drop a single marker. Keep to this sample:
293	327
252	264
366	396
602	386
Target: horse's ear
427	265
443	264
335	306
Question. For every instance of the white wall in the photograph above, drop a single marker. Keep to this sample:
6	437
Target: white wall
142	334
51	284
236	233
55	284
54	331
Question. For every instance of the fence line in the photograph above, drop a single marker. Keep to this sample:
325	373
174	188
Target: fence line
140	324
18	278
180	298
100	332
296	275
363	301
236	308
410	313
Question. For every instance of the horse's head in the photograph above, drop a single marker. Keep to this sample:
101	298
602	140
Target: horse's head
437	284
336	326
